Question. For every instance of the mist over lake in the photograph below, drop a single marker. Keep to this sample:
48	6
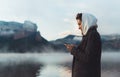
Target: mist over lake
54	64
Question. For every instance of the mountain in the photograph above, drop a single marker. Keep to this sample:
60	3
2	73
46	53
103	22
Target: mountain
109	42
24	37
21	37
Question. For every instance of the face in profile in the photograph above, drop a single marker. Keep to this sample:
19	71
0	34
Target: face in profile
79	22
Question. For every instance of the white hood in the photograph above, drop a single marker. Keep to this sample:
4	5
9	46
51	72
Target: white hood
88	20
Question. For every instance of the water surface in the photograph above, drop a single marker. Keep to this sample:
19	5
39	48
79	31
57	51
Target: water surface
51	64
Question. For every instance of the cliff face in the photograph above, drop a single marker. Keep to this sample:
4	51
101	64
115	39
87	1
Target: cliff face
21	37
29	43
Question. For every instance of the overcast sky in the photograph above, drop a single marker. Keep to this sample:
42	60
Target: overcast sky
56	18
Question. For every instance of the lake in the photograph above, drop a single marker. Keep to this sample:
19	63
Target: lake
51	64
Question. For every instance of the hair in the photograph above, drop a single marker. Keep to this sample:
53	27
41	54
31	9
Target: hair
79	16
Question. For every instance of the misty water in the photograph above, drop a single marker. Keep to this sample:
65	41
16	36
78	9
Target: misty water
51	64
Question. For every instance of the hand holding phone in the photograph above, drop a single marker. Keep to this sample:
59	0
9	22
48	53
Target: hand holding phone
69	46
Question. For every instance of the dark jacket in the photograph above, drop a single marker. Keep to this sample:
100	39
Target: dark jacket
87	56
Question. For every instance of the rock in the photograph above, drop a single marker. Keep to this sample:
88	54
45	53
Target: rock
21	37
29	26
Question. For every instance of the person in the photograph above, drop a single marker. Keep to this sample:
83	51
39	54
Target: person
87	55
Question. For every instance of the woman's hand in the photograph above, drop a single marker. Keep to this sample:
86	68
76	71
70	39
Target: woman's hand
69	46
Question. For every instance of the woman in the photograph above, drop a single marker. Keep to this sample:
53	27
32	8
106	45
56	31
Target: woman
87	55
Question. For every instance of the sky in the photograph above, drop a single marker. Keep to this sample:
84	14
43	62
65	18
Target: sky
56	18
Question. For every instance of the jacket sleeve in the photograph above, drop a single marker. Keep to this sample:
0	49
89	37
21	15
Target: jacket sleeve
90	49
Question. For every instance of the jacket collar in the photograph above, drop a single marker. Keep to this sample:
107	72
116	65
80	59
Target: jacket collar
92	28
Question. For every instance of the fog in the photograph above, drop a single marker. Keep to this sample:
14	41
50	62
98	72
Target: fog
54	64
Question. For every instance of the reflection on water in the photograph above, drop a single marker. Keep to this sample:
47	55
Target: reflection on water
51	64
21	69
54	71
